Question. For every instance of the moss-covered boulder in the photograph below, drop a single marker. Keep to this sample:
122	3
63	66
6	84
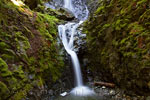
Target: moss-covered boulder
118	39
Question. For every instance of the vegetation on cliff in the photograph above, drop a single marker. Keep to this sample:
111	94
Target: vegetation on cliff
29	55
118	39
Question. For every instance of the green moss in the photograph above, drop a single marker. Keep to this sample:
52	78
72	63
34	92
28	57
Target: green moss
8	57
7	75
141	2
100	10
22	42
18	73
47	26
8	54
118	42
47	63
136	28
22	93
4	91
40	81
27	47
3	45
4	69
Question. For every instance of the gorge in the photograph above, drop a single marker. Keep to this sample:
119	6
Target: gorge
105	43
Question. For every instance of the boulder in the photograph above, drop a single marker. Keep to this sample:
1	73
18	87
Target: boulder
61	13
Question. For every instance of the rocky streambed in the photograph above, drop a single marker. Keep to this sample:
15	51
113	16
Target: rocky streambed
62	88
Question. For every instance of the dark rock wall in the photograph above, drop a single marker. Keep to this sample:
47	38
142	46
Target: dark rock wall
118	40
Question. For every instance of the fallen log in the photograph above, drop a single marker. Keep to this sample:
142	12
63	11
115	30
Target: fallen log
111	85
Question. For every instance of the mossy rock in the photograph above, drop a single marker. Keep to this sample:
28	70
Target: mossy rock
4	69
4	91
28	46
118	43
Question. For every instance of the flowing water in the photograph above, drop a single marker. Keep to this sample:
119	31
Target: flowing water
66	34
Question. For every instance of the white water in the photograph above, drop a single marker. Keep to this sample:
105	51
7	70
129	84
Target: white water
66	33
68	4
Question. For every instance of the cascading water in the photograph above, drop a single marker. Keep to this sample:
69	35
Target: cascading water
66	33
68	4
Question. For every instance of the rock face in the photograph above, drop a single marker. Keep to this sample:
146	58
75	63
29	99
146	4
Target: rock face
118	40
29	55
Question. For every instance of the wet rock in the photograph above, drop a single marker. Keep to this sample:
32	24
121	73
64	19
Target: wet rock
64	94
103	87
54	4
31	76
51	92
79	42
112	92
66	14
61	13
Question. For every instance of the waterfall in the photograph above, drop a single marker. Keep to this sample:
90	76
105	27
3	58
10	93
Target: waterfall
66	34
68	4
68	47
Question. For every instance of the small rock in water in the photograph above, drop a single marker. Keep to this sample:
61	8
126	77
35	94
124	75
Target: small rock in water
103	87
112	92
63	94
